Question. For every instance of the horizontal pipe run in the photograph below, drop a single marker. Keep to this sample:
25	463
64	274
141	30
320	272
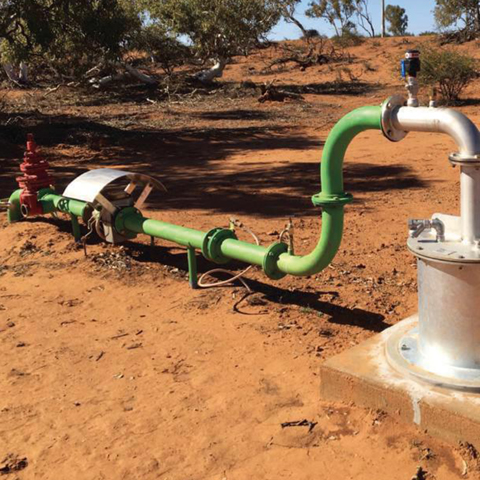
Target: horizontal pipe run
51	202
243	251
187	237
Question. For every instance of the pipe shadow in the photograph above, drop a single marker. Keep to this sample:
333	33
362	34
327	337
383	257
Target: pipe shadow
312	301
192	164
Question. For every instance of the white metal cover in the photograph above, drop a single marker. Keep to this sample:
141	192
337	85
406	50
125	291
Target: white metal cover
87	186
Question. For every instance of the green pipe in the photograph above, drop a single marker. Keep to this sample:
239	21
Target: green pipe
243	251
221	244
187	237
332	198
51	202
14	213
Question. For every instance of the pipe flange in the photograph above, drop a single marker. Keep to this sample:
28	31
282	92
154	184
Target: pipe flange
212	242
404	354
457	158
331	199
389	131
206	239
270	260
119	221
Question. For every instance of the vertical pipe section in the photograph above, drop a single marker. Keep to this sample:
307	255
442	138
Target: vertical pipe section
331	176
470	203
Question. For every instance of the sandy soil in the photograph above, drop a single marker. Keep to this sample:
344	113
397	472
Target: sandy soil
111	367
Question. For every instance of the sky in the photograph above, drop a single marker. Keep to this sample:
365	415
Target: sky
420	18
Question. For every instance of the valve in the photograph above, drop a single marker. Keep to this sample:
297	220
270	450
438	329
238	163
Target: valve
410	67
417	227
35	177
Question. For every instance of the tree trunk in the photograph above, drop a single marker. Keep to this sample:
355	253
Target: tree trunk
207	76
20	78
292	19
12	76
23	76
139	75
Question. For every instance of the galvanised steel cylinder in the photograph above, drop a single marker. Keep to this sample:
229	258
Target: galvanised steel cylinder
470	203
449	315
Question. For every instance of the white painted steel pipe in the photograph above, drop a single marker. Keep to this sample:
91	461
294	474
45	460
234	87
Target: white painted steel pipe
470	203
467	137
440	120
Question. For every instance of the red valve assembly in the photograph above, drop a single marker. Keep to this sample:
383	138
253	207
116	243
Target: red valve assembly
35	177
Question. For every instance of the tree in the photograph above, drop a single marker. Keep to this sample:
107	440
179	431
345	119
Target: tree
364	18
69	36
217	29
397	18
338	13
287	11
462	15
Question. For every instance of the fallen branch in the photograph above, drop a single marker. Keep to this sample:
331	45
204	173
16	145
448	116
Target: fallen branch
270	93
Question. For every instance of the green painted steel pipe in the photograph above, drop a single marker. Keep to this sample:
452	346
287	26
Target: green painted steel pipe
51	202
133	221
274	259
332	198
243	251
187	237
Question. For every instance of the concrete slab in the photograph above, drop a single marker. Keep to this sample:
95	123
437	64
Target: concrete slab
363	376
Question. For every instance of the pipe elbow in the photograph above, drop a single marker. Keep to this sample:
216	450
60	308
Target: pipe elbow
440	120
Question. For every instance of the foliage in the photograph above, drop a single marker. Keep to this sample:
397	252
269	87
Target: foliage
312	33
216	29
397	18
163	47
72	36
463	16
448	70
341	15
338	13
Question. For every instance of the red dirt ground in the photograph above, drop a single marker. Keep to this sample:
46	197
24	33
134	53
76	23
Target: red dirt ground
111	367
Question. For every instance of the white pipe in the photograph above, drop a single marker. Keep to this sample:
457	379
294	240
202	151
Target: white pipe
440	120
470	203
467	137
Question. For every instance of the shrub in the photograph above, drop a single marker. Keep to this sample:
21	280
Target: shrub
311	33
348	39
448	70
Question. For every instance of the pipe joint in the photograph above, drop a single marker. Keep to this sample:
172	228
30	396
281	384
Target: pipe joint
212	244
270	261
120	218
331	199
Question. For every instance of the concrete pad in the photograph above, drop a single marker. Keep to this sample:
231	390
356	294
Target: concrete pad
363	376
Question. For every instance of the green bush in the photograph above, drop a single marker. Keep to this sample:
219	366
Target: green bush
447	70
